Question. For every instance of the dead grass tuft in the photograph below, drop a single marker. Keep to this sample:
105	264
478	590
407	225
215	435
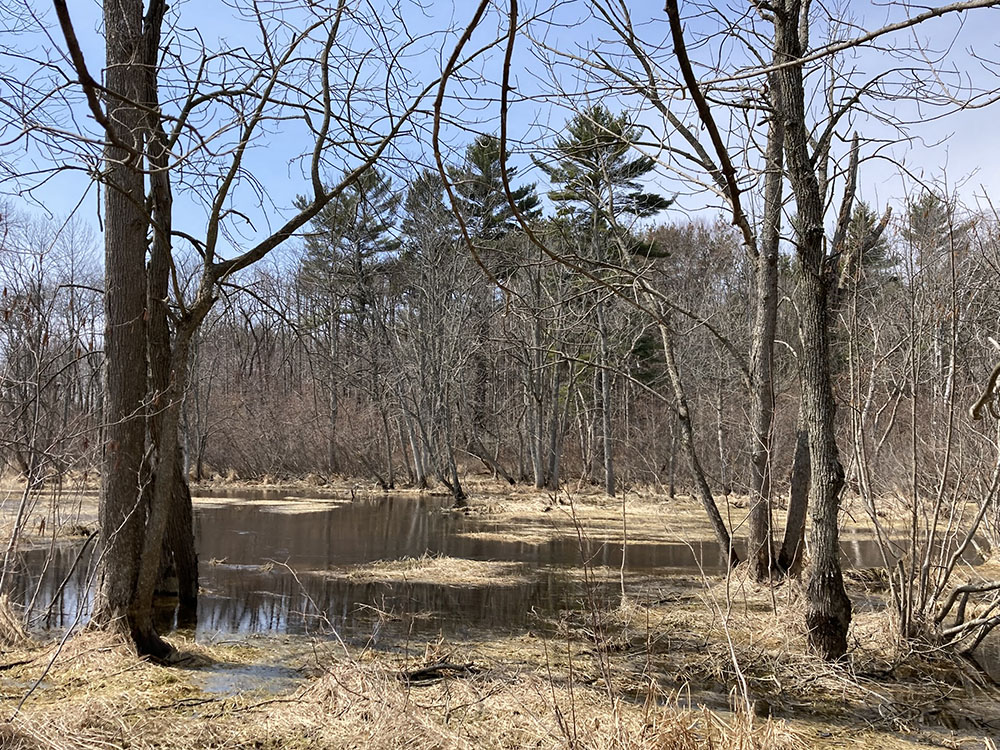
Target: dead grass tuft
12	632
440	569
368	706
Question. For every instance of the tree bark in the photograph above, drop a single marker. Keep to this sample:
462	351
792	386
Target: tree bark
120	513
142	624
760	552
829	610
792	546
607	439
828	616
179	544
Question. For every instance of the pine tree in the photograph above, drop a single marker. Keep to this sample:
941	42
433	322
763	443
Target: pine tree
353	238
597	181
482	199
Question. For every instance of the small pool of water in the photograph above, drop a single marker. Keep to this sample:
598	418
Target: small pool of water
231	679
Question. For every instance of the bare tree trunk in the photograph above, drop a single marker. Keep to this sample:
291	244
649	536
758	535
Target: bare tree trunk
171	500
533	385
610	485
538	441
672	465
121	514
416	449
389	463
179	549
760	551
792	547
828	616
411	476
453	482
720	443
477	449
167	466
557	429
333	465
688	443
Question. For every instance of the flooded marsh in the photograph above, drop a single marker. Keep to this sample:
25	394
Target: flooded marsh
296	586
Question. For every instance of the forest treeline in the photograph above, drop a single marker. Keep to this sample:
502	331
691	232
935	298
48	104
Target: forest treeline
401	345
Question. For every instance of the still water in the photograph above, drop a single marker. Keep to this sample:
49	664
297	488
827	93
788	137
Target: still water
265	566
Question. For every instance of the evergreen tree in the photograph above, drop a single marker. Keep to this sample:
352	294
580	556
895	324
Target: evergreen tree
931	231
427	220
597	180
353	239
482	200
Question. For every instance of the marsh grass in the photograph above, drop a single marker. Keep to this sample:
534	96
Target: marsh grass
100	695
12	632
430	568
701	662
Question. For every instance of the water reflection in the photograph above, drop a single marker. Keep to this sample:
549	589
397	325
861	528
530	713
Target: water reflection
392	528
266	568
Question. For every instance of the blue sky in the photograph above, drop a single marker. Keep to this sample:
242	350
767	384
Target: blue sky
960	149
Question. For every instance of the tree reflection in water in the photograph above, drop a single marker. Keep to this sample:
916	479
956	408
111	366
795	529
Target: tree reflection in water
248	553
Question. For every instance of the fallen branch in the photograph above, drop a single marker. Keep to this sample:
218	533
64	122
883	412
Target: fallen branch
437	672
967	588
12	664
975	411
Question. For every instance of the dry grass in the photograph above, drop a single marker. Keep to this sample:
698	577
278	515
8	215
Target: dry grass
750	640
534	517
441	569
604	683
12	632
599	679
101	696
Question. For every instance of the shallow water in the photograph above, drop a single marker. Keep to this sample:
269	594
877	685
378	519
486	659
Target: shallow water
265	568
227	679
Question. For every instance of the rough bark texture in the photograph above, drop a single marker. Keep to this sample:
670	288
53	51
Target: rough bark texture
141	610
760	553
792	546
829	610
121	514
179	548
828	615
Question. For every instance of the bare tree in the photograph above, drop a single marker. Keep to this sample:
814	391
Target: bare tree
302	53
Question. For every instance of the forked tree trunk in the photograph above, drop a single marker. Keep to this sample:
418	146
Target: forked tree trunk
142	625
828	616
170	498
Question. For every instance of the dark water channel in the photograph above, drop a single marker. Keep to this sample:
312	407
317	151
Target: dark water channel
266	568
